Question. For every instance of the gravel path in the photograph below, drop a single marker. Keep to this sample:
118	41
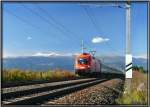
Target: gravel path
103	93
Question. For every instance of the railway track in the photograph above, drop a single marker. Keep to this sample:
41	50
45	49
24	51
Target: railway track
23	83
40	93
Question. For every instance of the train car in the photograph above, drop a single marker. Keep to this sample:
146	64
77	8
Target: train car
85	63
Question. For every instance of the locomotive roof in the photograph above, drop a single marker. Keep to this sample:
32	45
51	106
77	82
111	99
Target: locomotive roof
84	55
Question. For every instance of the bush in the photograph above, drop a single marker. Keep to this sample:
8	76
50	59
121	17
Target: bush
140	69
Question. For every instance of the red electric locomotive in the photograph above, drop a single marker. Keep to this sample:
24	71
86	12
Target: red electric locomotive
85	63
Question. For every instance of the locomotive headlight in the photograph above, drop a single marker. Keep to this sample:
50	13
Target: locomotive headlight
88	66
82	67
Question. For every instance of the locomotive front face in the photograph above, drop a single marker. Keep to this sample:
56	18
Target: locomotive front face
82	64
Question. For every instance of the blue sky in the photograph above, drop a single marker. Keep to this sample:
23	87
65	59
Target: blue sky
31	28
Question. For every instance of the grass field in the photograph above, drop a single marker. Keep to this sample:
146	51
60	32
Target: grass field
26	75
137	94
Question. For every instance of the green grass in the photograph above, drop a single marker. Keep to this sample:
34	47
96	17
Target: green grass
27	75
135	96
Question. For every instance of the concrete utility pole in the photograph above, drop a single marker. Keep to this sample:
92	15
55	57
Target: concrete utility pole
128	61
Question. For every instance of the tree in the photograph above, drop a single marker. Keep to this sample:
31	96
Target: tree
140	69
135	68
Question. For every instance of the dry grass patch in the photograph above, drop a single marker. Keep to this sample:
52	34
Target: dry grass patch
27	75
138	91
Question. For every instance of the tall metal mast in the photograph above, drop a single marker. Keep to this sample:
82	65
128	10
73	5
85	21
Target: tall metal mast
82	46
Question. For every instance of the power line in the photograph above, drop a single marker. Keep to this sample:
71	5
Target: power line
75	36
115	5
94	23
57	22
91	18
26	22
22	20
95	19
45	20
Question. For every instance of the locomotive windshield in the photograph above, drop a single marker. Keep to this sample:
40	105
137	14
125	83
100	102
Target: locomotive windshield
83	61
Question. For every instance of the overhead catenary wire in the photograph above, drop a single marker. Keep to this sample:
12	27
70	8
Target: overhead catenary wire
35	26
75	36
70	32
57	24
23	20
95	24
50	23
91	18
29	23
98	28
96	4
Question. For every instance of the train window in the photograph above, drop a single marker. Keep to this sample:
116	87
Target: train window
83	61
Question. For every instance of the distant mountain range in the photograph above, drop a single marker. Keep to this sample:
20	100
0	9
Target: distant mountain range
63	62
